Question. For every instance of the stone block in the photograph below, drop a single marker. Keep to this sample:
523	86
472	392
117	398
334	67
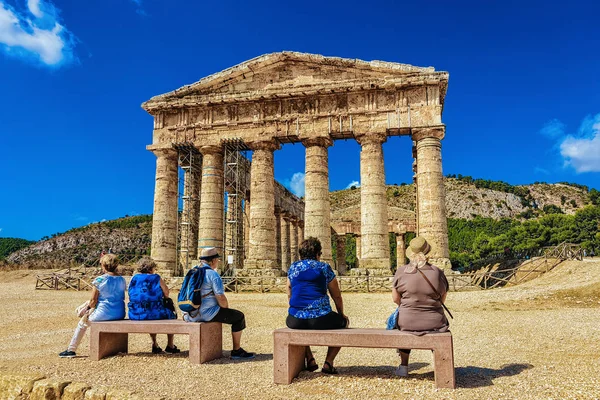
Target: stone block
48	389
97	393
16	386
75	391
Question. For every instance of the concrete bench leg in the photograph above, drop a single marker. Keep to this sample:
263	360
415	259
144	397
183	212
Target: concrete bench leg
288	361
206	343
104	344
443	364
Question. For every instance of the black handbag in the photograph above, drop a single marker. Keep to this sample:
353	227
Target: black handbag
168	304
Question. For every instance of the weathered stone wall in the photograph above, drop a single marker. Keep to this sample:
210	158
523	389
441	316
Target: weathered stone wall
38	387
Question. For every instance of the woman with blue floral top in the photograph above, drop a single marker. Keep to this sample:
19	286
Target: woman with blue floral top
308	282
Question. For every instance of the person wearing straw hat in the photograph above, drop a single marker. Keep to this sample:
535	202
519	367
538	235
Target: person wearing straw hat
215	307
419	289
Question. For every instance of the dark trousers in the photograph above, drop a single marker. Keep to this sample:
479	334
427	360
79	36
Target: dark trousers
232	317
332	320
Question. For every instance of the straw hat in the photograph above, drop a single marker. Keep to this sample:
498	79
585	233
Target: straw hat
417	245
209	252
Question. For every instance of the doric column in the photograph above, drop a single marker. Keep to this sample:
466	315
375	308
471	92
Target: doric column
211	200
262	251
431	194
293	240
246	213
234	240
164	220
400	250
341	254
358	247
316	199
191	165
278	235
285	242
375	251
300	234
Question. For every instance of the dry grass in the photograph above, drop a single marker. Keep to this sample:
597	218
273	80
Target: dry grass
534	341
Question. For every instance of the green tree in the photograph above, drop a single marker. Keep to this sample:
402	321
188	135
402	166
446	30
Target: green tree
594	197
10	245
552	209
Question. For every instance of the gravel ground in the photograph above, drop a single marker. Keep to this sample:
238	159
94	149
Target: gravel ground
539	340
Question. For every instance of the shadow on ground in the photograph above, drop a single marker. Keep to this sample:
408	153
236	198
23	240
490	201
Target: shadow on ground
226	360
473	377
383	372
185	354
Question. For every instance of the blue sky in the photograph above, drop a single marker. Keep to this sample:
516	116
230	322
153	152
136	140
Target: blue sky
523	102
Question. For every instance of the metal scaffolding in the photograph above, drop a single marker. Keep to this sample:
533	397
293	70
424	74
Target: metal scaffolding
236	177
188	195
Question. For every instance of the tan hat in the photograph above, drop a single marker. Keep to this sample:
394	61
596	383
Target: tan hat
417	245
209	252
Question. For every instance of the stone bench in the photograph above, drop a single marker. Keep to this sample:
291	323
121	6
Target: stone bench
289	345
111	337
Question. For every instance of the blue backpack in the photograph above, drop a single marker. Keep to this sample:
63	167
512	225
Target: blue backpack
190	298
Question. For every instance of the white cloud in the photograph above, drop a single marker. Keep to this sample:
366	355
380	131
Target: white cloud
579	150
553	129
35	34
540	170
297	184
353	183
34	7
0	229
582	151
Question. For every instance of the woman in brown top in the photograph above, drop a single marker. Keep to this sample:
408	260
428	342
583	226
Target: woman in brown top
419	307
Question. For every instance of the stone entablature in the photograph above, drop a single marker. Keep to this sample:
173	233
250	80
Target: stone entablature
291	96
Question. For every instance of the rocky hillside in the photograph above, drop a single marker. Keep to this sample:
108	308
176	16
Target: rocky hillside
466	200
129	235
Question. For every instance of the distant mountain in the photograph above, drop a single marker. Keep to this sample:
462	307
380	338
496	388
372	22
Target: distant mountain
128	235
10	245
467	199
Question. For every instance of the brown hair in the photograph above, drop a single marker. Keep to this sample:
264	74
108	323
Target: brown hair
146	265
310	248
110	262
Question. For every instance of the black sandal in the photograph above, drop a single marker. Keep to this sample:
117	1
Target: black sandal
329	370
311	365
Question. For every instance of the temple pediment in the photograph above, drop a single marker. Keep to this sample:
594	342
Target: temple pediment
286	74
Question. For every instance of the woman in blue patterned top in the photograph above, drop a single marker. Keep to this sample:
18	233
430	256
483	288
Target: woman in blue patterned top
146	292
308	282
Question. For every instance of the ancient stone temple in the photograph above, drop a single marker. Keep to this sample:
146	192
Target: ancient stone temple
291	97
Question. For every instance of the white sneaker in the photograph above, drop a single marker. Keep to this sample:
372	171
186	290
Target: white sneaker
401	371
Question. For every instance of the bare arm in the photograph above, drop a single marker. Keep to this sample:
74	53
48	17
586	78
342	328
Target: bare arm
336	295
444	297
164	287
222	300
94	298
396	296
288	288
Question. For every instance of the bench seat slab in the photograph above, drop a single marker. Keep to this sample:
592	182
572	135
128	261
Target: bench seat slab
111	337
290	345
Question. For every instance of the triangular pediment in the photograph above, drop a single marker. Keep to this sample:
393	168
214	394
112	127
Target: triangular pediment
289	73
